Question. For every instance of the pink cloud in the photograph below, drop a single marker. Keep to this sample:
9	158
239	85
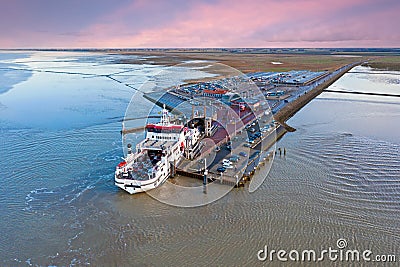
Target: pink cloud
224	23
242	24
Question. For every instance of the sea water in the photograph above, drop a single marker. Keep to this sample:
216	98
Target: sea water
60	141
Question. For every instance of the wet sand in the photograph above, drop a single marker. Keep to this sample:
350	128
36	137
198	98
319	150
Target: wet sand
389	63
246	62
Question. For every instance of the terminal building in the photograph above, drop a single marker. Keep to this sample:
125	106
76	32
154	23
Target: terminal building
290	78
299	78
218	93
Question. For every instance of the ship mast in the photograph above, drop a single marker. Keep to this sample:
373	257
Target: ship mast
165	117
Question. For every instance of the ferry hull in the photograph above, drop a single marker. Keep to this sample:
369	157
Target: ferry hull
134	186
150	166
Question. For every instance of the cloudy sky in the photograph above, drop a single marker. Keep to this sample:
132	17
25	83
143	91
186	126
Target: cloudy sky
201	23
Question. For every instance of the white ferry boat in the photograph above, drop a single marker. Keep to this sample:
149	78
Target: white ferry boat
165	144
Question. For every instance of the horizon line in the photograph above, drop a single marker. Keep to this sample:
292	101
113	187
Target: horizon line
195	48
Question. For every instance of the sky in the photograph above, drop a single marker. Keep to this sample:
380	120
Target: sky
199	24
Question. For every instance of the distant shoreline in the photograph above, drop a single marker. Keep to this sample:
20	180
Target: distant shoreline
237	50
254	59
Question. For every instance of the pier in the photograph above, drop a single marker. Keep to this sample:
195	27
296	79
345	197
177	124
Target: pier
219	127
291	108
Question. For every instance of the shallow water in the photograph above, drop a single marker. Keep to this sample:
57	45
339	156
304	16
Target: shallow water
60	142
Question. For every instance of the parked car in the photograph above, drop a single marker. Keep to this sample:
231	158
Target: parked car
226	161
234	158
246	145
227	166
221	169
243	154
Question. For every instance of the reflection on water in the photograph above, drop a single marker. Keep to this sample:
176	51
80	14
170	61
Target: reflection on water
9	77
339	179
367	80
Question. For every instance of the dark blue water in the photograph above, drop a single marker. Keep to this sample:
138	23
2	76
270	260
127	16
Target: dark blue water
60	141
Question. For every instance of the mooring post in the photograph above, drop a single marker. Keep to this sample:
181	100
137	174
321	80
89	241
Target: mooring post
205	177
173	171
205	182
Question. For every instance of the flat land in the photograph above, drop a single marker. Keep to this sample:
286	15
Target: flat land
390	63
250	62
268	62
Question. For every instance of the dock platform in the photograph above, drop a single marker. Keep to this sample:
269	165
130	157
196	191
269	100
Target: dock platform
260	151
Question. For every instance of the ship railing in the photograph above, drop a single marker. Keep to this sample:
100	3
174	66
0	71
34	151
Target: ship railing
132	178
